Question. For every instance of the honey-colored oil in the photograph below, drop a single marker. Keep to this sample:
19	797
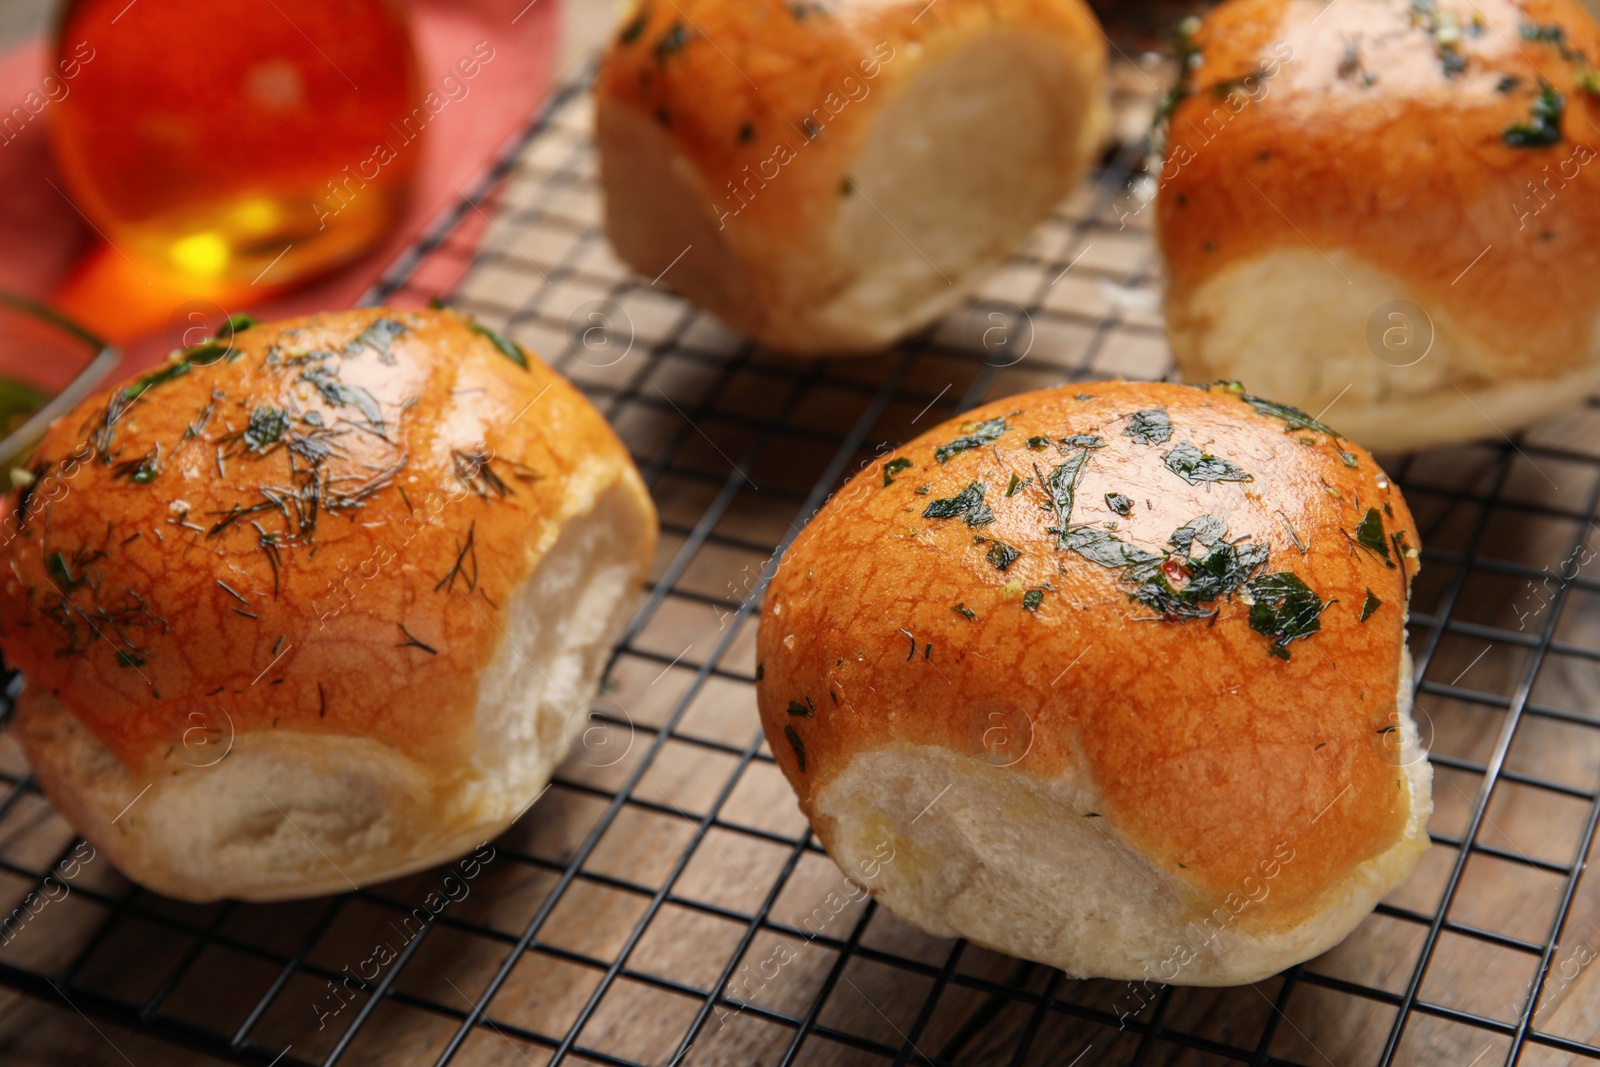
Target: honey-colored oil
237	142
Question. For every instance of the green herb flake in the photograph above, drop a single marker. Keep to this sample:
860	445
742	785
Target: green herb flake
633	29
1297	419
1002	556
378	337
1195	466
1285	609
797	745
964	611
1151	427
1084	440
1032	599
671	42
1370	605
1083	396
128	659
338	394
1120	504
1509	83
967	504
980	435
1038	444
1011	487
893	467
1370	534
1543	128
799	710
235	324
1098	546
267	425
924	490
507	347
1349	459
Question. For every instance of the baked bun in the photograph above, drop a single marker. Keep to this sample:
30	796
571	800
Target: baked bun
1399	200
829	176
316	604
1112	677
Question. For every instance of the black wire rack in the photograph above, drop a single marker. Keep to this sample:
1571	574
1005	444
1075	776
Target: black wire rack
664	902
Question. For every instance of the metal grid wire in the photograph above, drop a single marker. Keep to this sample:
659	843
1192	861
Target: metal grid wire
661	904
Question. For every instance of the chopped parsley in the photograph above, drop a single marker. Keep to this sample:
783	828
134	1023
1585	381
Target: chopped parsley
797	745
967	504
1098	546
1543	128
1370	535
671	41
339	394
893	467
1032	599
267	426
799	710
632	30
1297	419
1151	427
1370	605
507	347
1001	555
1349	458
964	611
981	435
1120	504
1195	466
1084	440
377	337
1285	608
1038	443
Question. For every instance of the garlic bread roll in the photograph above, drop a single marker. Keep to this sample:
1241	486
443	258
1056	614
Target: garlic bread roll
828	177
1390	204
1112	677
316	604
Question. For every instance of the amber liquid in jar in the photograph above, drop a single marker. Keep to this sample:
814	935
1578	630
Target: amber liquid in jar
238	142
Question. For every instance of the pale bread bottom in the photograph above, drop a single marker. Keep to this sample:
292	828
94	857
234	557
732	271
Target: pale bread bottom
1012	863
1290	328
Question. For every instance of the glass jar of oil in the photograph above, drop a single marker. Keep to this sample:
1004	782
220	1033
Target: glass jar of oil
238	143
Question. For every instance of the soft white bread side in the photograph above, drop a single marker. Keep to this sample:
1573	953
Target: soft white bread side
995	856
318	603
1392	206
284	814
884	163
1110	676
1442	384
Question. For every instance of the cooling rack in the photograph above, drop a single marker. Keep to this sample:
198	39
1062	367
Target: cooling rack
664	902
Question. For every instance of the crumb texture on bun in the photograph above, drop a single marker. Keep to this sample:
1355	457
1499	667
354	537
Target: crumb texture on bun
316	604
1392	204
827	177
1110	676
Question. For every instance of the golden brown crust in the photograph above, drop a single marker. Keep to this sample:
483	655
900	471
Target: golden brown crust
316	531
736	83
1209	749
1358	139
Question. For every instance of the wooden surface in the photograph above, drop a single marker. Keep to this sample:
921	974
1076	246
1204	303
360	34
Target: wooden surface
1099	319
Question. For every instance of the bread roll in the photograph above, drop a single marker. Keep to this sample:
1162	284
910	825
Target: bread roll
1395	199
318	604
829	177
1112	677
